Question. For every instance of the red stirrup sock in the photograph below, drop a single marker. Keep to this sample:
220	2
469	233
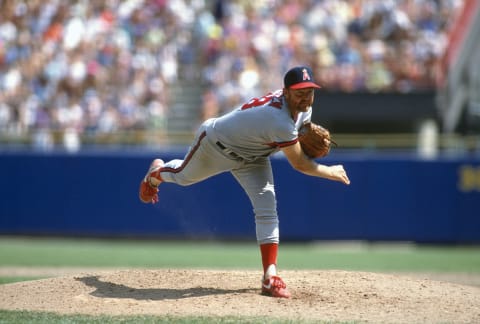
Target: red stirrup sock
269	254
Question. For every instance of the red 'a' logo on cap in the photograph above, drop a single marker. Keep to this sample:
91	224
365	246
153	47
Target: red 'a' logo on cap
305	75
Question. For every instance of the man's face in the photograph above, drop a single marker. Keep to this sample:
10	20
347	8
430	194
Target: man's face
299	100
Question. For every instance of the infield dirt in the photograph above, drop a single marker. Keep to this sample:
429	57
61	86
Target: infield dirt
317	295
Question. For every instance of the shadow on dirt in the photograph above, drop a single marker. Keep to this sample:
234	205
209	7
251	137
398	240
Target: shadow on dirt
113	290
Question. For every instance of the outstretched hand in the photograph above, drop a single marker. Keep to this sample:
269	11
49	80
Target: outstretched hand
338	173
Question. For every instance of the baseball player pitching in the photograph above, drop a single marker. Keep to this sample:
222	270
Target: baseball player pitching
241	142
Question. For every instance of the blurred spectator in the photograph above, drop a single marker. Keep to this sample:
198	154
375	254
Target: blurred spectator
90	68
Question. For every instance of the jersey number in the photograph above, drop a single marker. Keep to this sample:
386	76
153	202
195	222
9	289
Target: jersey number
255	102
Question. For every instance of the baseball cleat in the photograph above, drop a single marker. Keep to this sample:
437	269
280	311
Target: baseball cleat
275	287
148	192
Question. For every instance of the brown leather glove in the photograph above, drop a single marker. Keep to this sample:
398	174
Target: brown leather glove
315	140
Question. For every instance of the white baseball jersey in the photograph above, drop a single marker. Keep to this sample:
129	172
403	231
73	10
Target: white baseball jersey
240	143
260	127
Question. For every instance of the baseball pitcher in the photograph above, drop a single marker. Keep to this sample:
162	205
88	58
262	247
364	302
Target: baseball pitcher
240	142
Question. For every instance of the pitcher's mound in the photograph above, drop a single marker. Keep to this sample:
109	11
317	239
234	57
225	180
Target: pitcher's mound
316	295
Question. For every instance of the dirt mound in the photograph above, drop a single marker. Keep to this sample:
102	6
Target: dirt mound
322	295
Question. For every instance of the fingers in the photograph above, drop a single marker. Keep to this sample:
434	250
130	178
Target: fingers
345	179
342	174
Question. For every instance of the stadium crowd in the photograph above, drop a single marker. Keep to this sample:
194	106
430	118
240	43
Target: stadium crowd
92	68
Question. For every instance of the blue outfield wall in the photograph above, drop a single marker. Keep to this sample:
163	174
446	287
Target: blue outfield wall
391	198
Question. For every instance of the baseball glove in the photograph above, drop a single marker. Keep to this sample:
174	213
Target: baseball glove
315	140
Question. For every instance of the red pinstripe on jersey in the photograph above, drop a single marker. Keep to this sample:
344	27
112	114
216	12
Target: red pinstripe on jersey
187	158
282	144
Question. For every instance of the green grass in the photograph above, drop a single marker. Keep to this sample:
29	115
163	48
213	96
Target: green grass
52	318
121	253
40	252
9	279
385	258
